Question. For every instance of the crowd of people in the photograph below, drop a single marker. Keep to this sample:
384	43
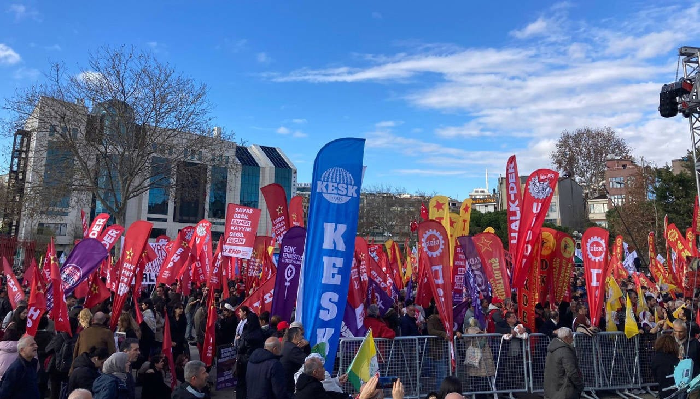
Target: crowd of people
273	360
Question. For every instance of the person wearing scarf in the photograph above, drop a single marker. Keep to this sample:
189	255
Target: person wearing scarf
112	383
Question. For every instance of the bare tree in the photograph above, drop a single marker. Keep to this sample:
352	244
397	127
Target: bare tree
386	211
113	130
583	152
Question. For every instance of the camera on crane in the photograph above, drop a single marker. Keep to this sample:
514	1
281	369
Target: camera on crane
668	98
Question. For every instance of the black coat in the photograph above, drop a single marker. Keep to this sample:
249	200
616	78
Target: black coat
408	326
548	328
265	376
181	392
84	373
292	359
309	387
20	380
562	376
154	386
662	365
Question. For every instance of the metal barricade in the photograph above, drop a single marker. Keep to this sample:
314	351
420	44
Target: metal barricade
584	345
488	364
537	345
646	353
617	360
434	363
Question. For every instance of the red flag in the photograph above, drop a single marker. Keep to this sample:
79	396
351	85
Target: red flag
136	238
433	242
696	217
276	201
547	254
514	200
83	219
618	248
14	291
677	242
168	351
50	255
594	246
207	355
59	312
37	303
490	249
261	299
110	236
97	225
539	190
29	274
82	289
424	212
200	245
98	291
529	293
178	251
652	246
296	211
423	293
692	241
363	259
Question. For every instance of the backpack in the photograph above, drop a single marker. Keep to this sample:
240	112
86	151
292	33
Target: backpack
64	356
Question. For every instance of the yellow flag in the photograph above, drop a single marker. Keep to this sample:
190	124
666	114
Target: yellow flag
677	312
465	215
609	322
489	230
631	328
656	315
409	266
614	294
440	212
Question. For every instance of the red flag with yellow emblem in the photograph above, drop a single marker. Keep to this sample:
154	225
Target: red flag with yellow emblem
98	291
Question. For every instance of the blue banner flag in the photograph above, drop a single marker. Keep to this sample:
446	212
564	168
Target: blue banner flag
330	242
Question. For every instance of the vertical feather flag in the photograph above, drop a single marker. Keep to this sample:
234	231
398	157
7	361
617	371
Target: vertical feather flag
276	201
296	211
465	215
59	311
594	246
365	364
168	351
631	328
37	303
83	219
612	304
515	202
14	292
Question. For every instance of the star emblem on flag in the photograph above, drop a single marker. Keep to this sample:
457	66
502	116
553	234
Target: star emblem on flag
184	244
362	256
294	217
485	243
279	209
439	205
129	254
466	208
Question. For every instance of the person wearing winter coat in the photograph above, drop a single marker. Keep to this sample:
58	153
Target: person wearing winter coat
8	351
20	380
153	380
562	376
97	335
61	361
408	324
86	369
292	356
309	385
251	338
265	373
111	384
331	384
662	364
378	326
195	382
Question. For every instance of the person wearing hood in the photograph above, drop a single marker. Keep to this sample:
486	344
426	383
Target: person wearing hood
562	376
8	351
111	384
265	374
309	385
86	368
20	381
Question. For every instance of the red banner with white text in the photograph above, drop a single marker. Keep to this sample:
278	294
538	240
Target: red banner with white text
276	201
594	246
241	228
514	201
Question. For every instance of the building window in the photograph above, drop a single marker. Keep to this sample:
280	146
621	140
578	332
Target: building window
617	182
110	188
52	130
553	207
52	229
156	232
217	192
250	186
597	208
59	163
283	177
190	192
159	193
617	200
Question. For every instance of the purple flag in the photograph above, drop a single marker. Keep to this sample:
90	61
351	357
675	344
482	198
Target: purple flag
409	289
353	321
458	314
377	295
288	272
474	263
84	259
470	283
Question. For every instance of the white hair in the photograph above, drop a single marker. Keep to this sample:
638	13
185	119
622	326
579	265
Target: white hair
80	393
24	342
564	332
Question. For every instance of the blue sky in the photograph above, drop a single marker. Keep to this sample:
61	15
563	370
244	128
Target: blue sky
440	91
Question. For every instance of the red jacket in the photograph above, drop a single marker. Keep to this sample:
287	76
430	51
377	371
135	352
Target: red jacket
379	328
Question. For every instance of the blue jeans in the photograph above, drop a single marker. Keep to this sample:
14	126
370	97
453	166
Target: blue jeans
188	330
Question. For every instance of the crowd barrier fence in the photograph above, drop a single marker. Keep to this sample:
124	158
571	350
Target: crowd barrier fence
488	364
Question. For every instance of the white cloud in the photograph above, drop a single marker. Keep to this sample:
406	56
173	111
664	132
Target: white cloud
263	58
21	12
537	28
383	124
377	15
605	74
300	121
53	47
8	56
92	78
26	73
294	133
